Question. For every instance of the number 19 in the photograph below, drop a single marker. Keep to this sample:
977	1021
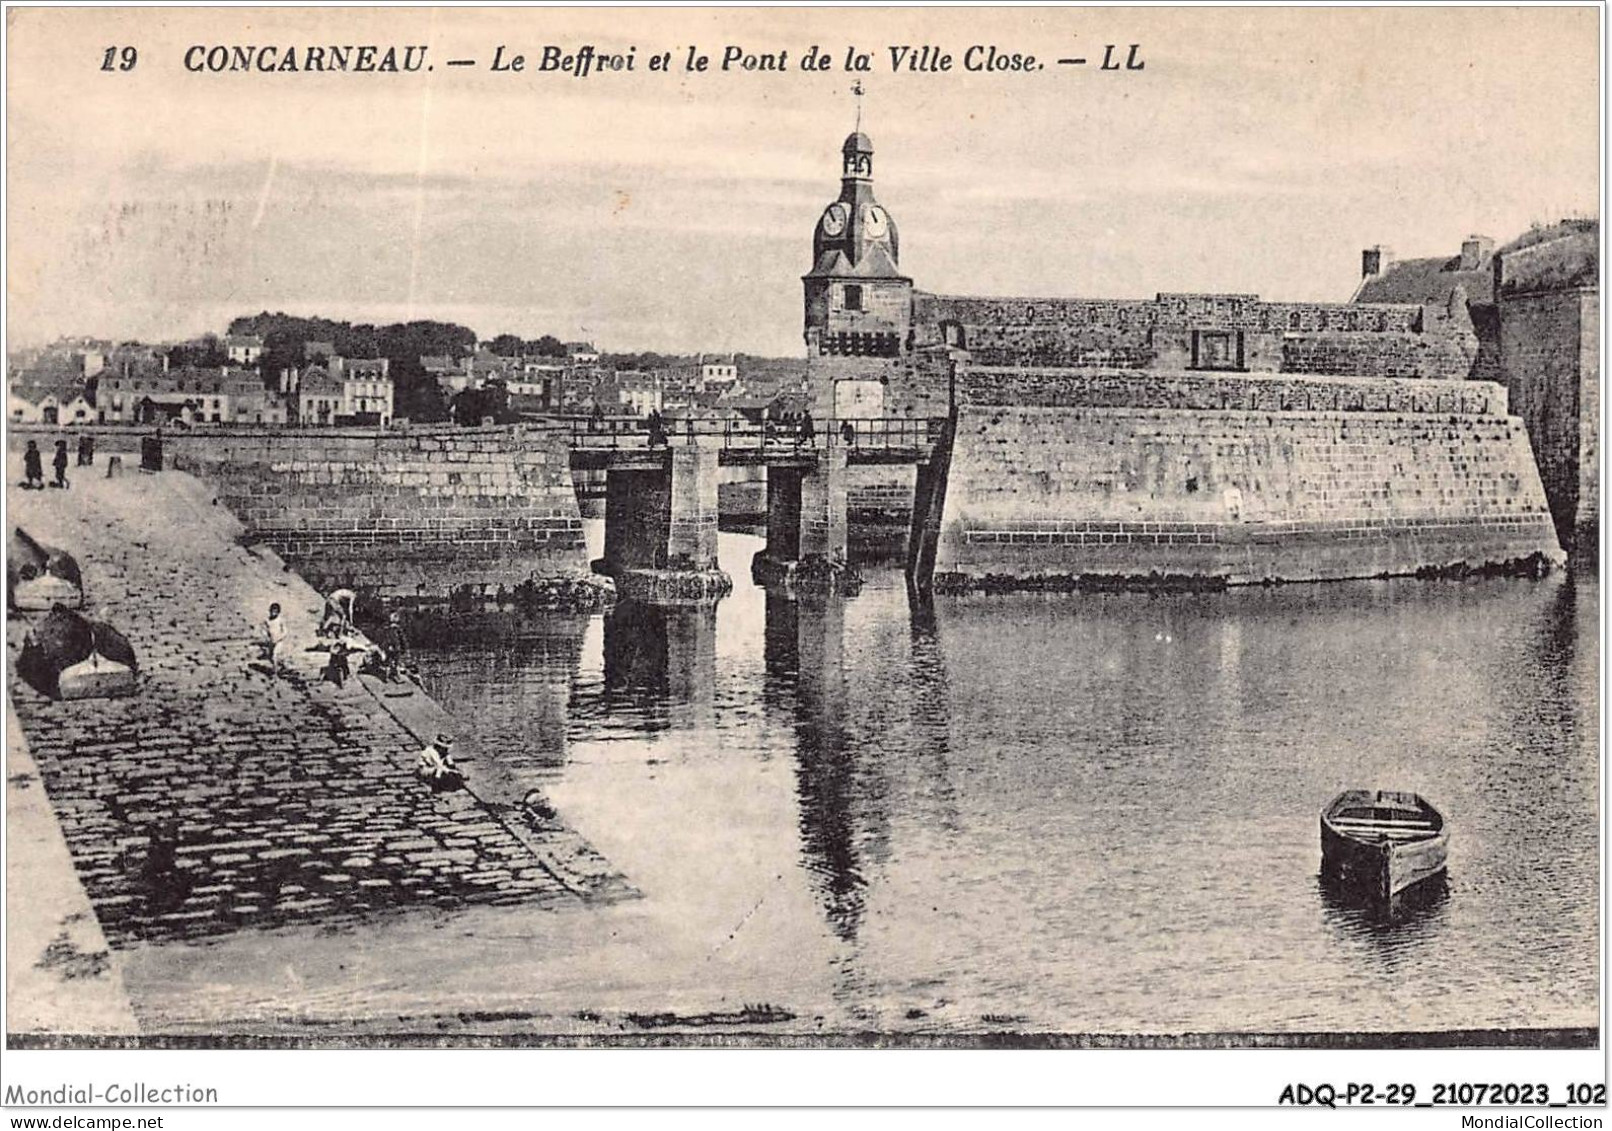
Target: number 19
124	58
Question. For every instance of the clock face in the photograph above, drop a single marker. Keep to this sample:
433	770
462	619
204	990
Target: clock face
834	220
876	222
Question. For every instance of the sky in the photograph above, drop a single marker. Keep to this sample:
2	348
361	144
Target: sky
1257	151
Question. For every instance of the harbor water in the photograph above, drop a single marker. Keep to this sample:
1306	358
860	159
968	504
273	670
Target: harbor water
1039	813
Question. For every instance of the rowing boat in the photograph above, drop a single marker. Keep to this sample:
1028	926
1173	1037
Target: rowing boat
40	577
1380	843
68	656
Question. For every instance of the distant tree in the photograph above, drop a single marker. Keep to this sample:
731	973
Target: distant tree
506	345
423	339
416	394
547	346
205	353
648	360
472	406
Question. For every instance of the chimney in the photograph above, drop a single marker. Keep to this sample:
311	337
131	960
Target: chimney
1375	261
1474	250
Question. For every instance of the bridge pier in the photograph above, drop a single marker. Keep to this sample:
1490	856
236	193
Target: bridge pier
660	528
807	526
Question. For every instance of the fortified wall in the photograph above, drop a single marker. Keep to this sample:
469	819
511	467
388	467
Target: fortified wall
1204	331
403	514
1549	301
1171	346
1059	479
1168	351
1214	438
1535	306
427	513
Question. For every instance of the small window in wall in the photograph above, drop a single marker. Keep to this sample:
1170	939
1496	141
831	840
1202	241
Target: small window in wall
1217	349
853	298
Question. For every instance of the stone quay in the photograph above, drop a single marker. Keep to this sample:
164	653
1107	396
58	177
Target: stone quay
222	798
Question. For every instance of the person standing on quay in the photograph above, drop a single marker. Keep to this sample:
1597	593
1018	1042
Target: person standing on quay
33	468
394	647
60	464
86	451
274	636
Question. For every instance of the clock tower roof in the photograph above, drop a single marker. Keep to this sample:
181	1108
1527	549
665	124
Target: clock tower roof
856	237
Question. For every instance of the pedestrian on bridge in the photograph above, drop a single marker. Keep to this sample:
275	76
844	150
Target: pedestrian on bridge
848	434
808	434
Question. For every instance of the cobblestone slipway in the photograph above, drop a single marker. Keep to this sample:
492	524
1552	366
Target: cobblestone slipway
219	798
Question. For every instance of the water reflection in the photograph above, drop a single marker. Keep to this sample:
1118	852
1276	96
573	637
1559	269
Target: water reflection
1091	811
1395	930
507	679
661	660
931	697
805	641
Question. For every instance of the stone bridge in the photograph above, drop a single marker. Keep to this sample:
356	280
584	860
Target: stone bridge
661	493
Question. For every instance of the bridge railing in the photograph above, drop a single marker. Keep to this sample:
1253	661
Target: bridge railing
876	432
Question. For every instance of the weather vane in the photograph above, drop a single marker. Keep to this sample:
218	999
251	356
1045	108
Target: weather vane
856	89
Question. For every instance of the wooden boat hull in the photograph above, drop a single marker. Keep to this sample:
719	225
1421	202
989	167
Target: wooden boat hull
95	678
40	577
68	656
1385	871
1382	860
42	593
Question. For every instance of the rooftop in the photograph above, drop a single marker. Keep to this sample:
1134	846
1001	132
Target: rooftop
1424	281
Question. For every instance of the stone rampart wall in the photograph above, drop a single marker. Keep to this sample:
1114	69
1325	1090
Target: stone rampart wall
1587	520
921	388
1325	338
1037	495
1050	387
421	513
1135	316
1380	355
1550	353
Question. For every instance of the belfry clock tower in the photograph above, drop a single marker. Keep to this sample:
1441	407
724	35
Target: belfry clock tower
858	303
